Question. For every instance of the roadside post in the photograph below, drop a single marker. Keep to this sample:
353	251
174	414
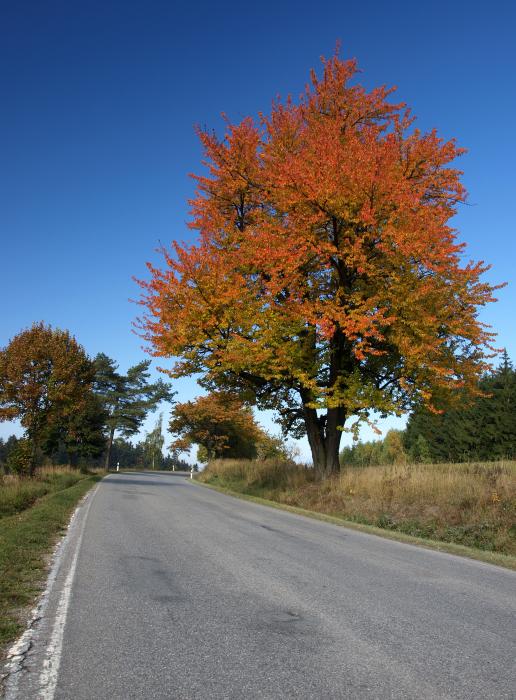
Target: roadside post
118	466
191	472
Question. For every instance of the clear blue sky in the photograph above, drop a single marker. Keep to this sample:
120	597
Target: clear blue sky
98	101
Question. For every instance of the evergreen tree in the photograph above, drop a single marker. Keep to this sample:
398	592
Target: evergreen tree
127	399
497	413
6	448
173	463
127	454
134	456
420	451
482	428
84	432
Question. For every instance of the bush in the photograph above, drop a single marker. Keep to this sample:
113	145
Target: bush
20	458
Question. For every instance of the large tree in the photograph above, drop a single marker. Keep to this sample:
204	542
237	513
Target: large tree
327	281
46	381
126	398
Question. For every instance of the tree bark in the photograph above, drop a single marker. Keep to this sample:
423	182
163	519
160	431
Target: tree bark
33	435
335	419
323	430
33	453
324	438
109	446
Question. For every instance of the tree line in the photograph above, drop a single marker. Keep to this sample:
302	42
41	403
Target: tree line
137	455
70	406
482	427
479	427
76	410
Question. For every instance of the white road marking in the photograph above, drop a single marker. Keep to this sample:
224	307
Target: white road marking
17	652
49	674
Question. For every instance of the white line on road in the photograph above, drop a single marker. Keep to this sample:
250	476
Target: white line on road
49	674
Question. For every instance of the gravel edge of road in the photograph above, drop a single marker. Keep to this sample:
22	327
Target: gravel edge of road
496	559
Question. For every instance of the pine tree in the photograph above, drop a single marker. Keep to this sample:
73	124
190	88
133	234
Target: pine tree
483	428
497	413
127	398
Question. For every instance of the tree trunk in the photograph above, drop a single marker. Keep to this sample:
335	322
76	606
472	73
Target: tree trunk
33	437
323	431
109	446
324	438
32	463
335	419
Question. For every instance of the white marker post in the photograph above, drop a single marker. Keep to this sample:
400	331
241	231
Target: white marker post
118	466
191	472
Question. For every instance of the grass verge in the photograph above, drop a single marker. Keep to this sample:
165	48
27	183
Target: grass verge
443	507
26	539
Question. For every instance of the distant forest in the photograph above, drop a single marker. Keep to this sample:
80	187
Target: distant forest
122	452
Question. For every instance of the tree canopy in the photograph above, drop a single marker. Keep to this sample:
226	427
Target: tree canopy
46	381
219	423
327	281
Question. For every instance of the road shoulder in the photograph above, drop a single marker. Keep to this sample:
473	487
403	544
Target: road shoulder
32	662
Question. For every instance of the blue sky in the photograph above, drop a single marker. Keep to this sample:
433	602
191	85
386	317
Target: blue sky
98	101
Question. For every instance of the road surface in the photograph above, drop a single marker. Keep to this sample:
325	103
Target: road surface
166	589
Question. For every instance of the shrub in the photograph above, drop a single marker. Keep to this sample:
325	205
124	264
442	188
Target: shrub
20	459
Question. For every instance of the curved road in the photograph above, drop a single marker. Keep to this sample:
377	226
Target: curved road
171	590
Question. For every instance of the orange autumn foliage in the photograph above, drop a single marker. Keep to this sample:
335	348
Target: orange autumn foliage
327	280
46	382
219	422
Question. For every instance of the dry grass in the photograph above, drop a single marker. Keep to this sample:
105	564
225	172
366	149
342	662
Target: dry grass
472	504
268	474
19	493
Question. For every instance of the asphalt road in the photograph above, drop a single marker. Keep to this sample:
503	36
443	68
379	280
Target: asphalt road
182	592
